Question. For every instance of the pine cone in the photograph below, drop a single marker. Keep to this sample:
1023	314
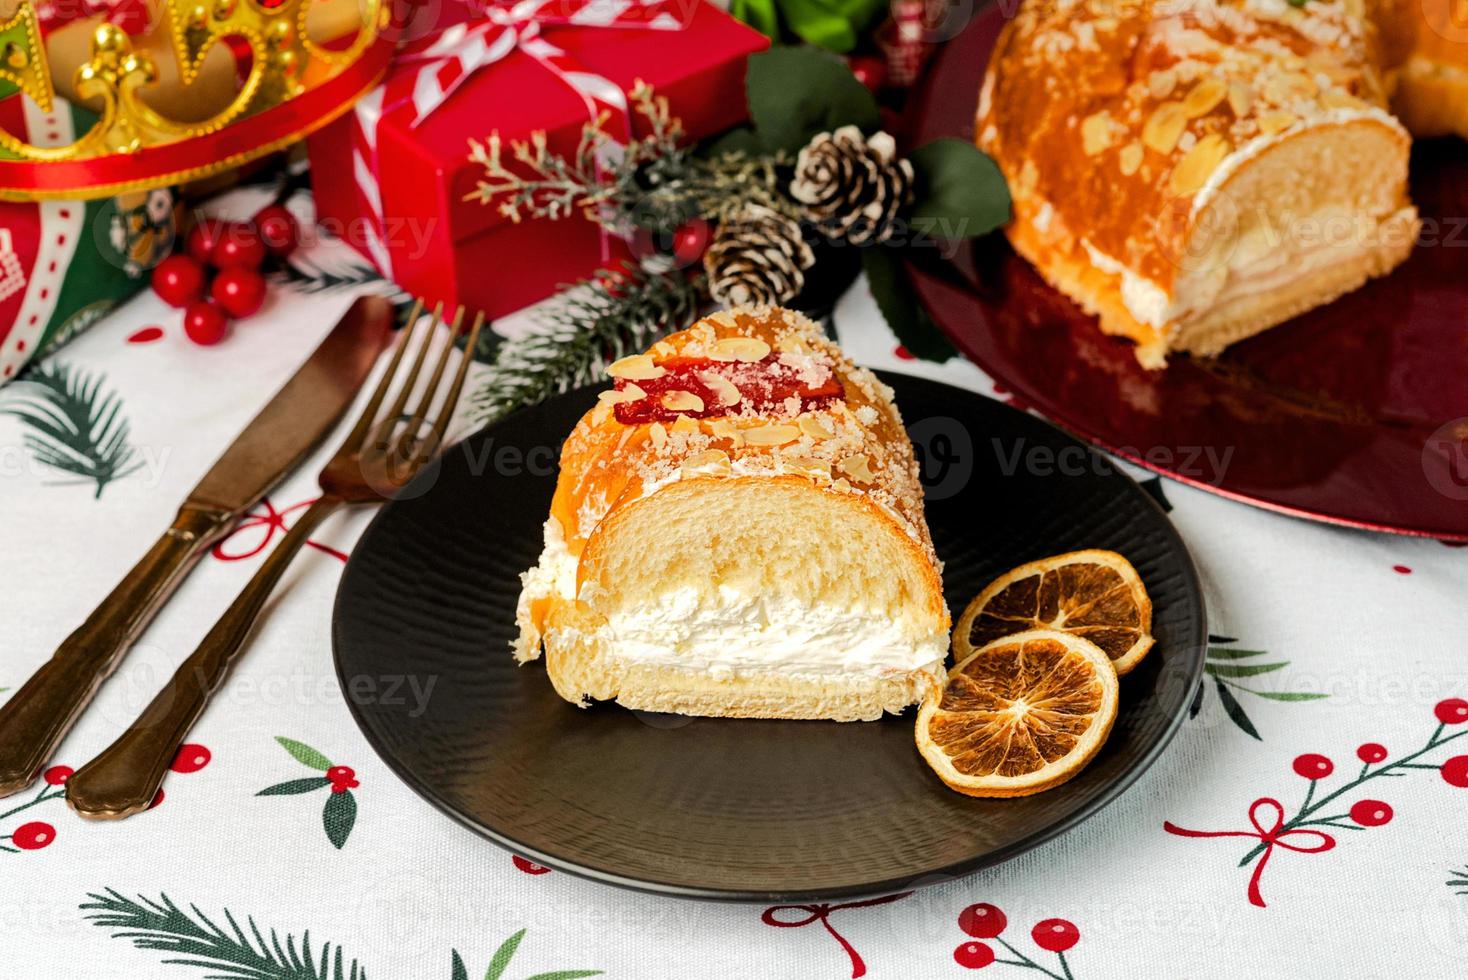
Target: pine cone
758	257
852	186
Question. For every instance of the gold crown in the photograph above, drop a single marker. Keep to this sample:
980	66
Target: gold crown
294	85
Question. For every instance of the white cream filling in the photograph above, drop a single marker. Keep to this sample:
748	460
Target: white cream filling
767	633
1144	299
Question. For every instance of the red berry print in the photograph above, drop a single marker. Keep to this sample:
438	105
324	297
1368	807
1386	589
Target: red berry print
158	798
982	921
205	323
146	335
1371	752
1055	935
1312	765
1453	711
240	292
57	775
973	956
239	247
190	758
903	354
1455	771
1371	813
279	230
33	836
528	866
178	280
342	778
1401	569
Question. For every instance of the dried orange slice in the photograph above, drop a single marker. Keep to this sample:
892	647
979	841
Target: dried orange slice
1023	714
1093	594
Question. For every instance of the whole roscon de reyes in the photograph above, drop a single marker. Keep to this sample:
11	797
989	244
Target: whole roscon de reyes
1194	173
738	531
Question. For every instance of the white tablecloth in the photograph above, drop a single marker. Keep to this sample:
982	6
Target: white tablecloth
1376	624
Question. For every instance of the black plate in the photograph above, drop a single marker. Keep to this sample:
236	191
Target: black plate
732	809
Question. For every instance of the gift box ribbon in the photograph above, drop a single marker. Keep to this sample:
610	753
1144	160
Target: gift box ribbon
429	71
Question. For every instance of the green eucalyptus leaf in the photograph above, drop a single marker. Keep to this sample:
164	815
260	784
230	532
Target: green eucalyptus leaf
295	786
795	93
1215	653
759	14
339	816
501	960
460	971
960	191
1290	695
1243	670
304	754
900	306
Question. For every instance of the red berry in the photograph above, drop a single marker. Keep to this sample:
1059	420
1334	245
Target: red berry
341	774
239	247
973	956
1453	711
982	921
1370	813
280	232
870	71
33	836
178	280
157	800
1371	752
191	758
205	323
239	291
58	775
528	866
1055	935
690	241
1455	771
1312	765
203	239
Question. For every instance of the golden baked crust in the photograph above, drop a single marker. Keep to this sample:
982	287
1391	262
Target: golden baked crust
1127	131
811	502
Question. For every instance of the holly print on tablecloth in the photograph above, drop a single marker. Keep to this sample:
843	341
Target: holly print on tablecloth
1458	881
987	923
340	812
229	950
776	915
1307	831
1230	670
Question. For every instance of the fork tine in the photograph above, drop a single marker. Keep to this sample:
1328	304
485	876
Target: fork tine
426	402
446	412
384	438
358	436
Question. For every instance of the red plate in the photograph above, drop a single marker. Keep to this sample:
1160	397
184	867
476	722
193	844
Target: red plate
1355	413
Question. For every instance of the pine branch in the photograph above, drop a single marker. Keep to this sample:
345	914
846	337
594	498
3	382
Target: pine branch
76	427
232	954
591	325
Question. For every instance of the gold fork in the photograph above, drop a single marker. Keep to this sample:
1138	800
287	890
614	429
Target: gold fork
381	454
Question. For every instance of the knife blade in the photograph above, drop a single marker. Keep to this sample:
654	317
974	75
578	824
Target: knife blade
291	424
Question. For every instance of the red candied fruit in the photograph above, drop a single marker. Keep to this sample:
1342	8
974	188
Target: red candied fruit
763	385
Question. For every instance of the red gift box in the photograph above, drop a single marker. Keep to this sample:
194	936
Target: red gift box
445	248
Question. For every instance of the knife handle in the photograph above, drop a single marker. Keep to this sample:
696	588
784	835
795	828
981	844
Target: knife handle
39	715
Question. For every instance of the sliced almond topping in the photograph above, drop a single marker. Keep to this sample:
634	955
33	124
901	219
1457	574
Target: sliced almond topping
816	469
740	349
1095	133
1275	122
790	343
710	462
842	485
1161	83
1130	158
658	434
601	413
858	467
722	387
1193	170
724	318
682	401
685	424
1240	98
637	367
663	349
628	393
1205	97
1338	99
814	427
1165	127
724	429
771	435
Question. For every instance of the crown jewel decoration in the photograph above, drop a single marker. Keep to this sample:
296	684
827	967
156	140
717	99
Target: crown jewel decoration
293	85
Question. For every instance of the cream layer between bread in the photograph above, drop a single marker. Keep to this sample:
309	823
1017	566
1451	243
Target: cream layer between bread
1270	258
742	632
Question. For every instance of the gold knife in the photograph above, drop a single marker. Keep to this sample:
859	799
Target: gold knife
296	420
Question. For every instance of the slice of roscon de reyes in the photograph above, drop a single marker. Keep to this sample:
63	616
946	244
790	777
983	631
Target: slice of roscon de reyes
738	531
